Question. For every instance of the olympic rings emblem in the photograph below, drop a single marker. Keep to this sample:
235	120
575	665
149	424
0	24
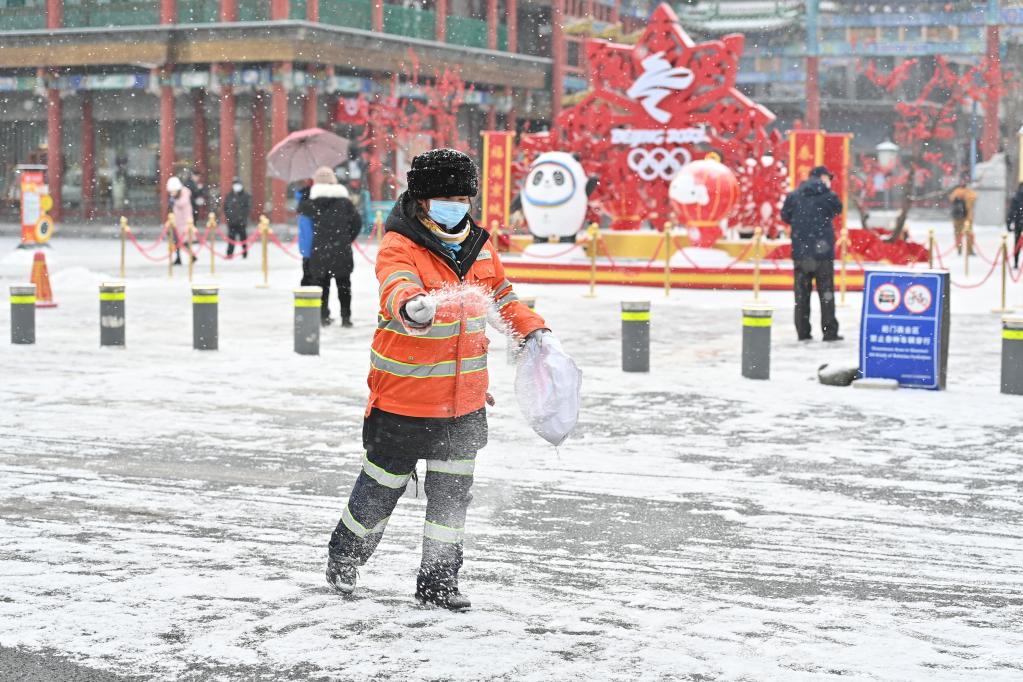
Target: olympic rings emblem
650	164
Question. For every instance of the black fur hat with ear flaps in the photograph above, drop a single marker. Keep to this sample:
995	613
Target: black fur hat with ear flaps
442	173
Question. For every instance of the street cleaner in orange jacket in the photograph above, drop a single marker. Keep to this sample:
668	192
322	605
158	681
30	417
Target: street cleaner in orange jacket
428	373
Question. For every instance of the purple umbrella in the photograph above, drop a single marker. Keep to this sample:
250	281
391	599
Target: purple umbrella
298	155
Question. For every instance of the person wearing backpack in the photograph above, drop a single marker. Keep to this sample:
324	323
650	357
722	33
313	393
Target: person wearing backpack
962	199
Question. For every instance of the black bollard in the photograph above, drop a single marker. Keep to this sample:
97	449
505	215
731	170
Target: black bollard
635	336
756	341
204	317
307	320
1012	355
111	315
23	313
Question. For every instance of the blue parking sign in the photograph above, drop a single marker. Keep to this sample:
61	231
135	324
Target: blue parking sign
904	327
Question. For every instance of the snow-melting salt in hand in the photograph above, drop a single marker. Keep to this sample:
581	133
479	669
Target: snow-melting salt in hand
421	309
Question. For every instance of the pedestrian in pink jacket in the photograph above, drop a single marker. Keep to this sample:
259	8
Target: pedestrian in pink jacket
181	206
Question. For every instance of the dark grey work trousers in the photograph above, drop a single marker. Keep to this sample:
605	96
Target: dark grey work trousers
394	444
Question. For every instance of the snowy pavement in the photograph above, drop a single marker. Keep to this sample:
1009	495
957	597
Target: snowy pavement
164	512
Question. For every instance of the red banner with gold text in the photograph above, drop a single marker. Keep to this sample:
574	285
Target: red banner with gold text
497	158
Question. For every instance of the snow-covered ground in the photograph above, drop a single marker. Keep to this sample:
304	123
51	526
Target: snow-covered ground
164	512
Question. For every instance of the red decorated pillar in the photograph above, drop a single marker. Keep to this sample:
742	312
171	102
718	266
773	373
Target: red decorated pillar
229	10
258	155
278	131
168	11
279	10
200	146
990	135
54	149
88	157
442	20
558	57
378	16
228	140
312	10
813	88
616	12
54	13
492	21
512	20
310	108
166	142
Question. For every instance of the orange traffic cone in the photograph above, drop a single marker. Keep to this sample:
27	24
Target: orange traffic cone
41	278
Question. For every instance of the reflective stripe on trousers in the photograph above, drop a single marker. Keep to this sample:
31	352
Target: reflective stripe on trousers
357	528
381	484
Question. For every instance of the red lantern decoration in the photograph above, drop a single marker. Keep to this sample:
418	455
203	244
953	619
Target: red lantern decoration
703	194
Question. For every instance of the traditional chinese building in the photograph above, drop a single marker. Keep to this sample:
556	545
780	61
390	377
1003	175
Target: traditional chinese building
115	96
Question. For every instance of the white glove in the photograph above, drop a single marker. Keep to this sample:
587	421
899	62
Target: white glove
421	309
542	336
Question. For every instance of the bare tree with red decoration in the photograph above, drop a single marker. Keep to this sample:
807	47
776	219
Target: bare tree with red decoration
928	120
393	122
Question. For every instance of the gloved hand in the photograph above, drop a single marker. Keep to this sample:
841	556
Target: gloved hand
421	309
542	336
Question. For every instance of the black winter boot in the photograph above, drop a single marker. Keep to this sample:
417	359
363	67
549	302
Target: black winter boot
438	585
341	573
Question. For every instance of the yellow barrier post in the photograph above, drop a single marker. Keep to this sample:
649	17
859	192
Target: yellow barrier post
593	233
758	234
667	258
845	259
190	239
124	238
930	249
495	233
264	235
172	242
1004	249
378	226
968	238
211	227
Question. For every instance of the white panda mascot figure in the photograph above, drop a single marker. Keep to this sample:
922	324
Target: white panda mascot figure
554	197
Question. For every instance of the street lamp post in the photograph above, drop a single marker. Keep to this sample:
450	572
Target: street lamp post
887	155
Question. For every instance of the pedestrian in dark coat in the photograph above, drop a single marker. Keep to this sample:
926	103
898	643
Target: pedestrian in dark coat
336	224
237	206
1015	224
811	211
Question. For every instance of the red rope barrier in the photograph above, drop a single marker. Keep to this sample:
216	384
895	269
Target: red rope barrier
143	251
283	247
249	241
976	250
159	240
740	257
363	253
994	266
682	250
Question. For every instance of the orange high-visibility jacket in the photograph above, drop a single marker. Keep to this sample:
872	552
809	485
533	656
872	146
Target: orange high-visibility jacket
441	370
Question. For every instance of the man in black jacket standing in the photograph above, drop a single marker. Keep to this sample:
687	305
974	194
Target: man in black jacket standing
810	211
237	206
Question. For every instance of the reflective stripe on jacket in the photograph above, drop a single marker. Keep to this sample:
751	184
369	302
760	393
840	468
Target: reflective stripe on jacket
440	370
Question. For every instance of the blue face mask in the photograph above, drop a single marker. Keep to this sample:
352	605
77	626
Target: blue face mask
447	213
